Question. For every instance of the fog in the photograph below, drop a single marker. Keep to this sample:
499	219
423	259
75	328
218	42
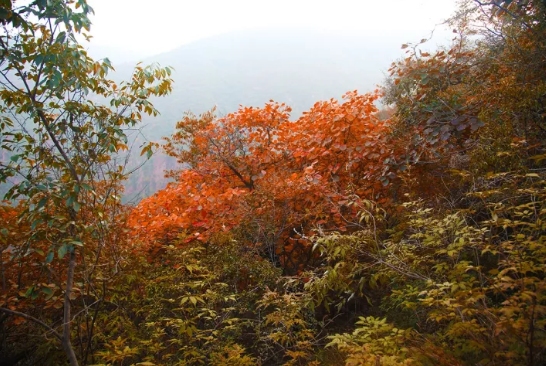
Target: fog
129	30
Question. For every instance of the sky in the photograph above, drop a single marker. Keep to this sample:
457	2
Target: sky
138	28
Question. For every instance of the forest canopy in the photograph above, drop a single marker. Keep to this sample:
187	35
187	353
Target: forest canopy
410	235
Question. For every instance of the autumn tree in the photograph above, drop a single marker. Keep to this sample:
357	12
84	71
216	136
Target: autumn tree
64	164
268	179
230	165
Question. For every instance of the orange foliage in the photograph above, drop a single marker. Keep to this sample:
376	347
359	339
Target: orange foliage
268	180
33	268
26	275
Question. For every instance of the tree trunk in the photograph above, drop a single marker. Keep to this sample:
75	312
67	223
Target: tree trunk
67	345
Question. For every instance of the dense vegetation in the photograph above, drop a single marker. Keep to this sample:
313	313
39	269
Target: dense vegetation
408	236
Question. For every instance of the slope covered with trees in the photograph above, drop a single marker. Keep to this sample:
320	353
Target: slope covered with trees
409	236
294	66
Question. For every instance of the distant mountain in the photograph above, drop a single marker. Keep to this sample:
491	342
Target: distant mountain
295	66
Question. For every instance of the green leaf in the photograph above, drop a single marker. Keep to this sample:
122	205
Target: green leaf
70	201
87	187
76	206
61	37
35	224
38	59
31	293
61	252
41	203
49	257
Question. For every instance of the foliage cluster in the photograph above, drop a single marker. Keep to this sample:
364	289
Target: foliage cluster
410	237
268	179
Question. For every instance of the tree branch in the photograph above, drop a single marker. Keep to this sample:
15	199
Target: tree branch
33	319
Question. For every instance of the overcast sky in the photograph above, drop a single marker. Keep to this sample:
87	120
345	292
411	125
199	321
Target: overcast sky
143	28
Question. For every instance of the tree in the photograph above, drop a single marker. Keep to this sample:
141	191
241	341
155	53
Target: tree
65	148
462	106
269	180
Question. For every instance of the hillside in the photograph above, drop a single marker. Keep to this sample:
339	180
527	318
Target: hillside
297	67
403	225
